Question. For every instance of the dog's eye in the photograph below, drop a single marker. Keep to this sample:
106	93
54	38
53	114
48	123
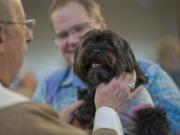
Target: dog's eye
110	43
111	46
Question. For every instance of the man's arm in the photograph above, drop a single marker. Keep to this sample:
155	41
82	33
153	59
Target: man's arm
107	118
165	94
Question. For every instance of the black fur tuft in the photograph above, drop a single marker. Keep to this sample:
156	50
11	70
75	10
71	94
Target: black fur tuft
152	121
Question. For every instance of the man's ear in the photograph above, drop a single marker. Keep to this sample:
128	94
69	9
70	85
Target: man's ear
101	24
1	39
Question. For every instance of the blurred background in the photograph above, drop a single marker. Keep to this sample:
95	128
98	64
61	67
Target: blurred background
146	24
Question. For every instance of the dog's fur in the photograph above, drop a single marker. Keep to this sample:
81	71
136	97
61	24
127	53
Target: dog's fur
100	56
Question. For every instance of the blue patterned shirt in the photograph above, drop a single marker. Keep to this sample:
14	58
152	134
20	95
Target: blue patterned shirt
60	90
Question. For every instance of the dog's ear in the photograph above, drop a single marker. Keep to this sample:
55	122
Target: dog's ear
77	65
128	56
141	77
133	65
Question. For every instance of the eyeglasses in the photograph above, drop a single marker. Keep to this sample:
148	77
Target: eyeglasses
76	30
30	24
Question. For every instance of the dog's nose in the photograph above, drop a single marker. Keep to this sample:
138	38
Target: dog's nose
95	52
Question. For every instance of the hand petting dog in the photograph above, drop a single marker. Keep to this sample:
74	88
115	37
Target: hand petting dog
120	92
119	97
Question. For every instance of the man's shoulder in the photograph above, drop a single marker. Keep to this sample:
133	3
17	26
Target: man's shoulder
26	106
28	112
28	115
35	119
147	65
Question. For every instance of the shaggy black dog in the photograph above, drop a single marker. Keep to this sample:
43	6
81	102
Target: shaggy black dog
100	56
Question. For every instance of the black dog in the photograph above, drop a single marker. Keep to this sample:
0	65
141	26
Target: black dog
100	56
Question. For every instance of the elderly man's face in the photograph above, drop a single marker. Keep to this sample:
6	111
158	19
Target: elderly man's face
14	42
70	23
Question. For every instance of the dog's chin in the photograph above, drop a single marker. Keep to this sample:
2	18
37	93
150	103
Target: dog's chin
96	76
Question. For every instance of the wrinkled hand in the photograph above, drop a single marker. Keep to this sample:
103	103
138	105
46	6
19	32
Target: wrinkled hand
67	113
116	93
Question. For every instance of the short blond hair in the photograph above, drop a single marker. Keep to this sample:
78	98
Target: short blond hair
91	6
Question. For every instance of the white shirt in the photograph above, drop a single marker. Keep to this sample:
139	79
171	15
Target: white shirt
8	98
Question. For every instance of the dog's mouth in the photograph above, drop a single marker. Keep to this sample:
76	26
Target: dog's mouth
103	62
96	63
97	69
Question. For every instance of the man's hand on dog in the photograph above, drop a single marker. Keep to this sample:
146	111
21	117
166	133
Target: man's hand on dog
68	113
116	93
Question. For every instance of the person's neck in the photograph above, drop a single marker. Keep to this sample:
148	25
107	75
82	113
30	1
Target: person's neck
5	75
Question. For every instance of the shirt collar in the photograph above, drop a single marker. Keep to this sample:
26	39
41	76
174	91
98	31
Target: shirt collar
73	79
1	86
9	98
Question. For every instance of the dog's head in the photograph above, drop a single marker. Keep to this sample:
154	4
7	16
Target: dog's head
102	55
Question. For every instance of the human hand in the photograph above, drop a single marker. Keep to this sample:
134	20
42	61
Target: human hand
116	93
68	112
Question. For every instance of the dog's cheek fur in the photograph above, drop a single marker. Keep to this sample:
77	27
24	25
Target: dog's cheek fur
152	121
77	67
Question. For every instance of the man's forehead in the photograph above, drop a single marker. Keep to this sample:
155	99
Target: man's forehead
19	1
69	15
19	9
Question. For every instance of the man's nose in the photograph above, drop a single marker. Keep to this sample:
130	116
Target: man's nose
28	36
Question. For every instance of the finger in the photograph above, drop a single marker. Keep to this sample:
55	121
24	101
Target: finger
123	94
134	76
122	76
101	85
73	107
136	91
122	103
128	78
112	85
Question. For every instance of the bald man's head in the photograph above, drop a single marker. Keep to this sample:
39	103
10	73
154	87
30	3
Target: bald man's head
14	36
9	10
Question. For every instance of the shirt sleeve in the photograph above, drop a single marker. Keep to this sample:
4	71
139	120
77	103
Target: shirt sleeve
106	117
165	95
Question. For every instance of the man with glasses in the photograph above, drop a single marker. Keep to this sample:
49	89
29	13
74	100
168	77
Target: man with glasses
71	19
18	115
28	23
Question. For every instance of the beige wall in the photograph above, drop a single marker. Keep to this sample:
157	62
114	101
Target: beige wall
178	7
142	25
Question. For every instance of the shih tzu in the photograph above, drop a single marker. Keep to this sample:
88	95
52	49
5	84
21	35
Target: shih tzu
102	55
